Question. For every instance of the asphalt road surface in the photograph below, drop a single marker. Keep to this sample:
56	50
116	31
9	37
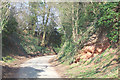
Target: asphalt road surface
37	68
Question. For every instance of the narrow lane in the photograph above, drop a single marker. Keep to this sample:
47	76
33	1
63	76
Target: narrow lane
37	68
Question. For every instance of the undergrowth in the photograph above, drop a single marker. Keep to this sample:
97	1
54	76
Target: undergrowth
68	53
104	65
20	45
8	59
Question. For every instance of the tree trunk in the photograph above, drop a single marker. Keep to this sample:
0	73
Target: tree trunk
43	39
44	34
76	23
73	26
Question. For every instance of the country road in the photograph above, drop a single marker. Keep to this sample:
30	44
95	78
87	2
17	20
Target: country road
37	68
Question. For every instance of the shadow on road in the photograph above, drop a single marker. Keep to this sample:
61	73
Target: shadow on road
29	72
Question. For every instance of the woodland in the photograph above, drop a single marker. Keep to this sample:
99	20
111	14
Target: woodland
84	35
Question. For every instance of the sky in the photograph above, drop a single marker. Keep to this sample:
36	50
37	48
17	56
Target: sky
40	19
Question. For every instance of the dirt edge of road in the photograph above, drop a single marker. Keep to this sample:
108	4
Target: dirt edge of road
59	68
10	69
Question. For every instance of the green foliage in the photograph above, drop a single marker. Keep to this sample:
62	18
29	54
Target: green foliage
79	22
54	38
68	53
10	26
29	43
7	59
8	21
93	18
108	20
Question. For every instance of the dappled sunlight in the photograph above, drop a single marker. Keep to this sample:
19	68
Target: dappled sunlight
60	40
